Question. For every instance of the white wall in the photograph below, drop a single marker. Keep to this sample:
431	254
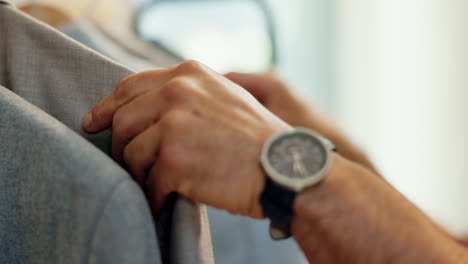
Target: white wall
304	38
402	88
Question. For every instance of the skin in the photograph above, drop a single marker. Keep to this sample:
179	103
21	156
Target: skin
192	131
290	106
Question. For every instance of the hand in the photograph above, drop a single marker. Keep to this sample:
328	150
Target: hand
280	99
189	130
290	106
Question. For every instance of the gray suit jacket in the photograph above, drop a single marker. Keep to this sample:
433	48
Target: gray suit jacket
58	205
64	79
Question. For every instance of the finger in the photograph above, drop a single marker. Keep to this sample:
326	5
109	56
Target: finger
145	110
101	115
255	84
172	163
159	187
140	155
134	118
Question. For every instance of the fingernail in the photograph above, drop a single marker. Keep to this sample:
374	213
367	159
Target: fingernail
88	120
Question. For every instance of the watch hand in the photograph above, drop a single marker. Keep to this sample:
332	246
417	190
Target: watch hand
298	165
285	162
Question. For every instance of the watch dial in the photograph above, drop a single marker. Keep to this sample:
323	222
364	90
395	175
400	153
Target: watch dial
297	156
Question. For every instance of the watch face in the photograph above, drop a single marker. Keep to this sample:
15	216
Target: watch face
297	156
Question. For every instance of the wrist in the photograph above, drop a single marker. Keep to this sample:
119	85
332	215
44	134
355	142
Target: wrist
260	177
321	124
353	216
309	202
292	160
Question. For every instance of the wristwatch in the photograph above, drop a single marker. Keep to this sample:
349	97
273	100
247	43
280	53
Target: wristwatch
292	160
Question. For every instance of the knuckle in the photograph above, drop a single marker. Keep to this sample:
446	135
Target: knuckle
178	89
136	154
120	122
124	88
128	155
190	67
179	84
126	127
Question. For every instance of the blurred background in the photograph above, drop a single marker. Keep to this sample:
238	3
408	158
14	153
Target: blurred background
392	73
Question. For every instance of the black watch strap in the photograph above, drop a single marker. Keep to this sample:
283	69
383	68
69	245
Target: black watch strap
277	203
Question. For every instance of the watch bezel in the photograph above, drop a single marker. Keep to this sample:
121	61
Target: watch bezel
296	185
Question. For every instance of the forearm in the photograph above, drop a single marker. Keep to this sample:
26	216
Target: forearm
348	149
464	242
355	217
344	146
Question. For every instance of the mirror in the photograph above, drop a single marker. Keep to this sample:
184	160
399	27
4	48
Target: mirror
226	35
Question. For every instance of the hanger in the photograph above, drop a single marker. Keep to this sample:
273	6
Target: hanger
118	24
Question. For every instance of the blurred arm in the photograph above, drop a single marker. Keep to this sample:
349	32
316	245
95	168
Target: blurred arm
291	106
355	217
